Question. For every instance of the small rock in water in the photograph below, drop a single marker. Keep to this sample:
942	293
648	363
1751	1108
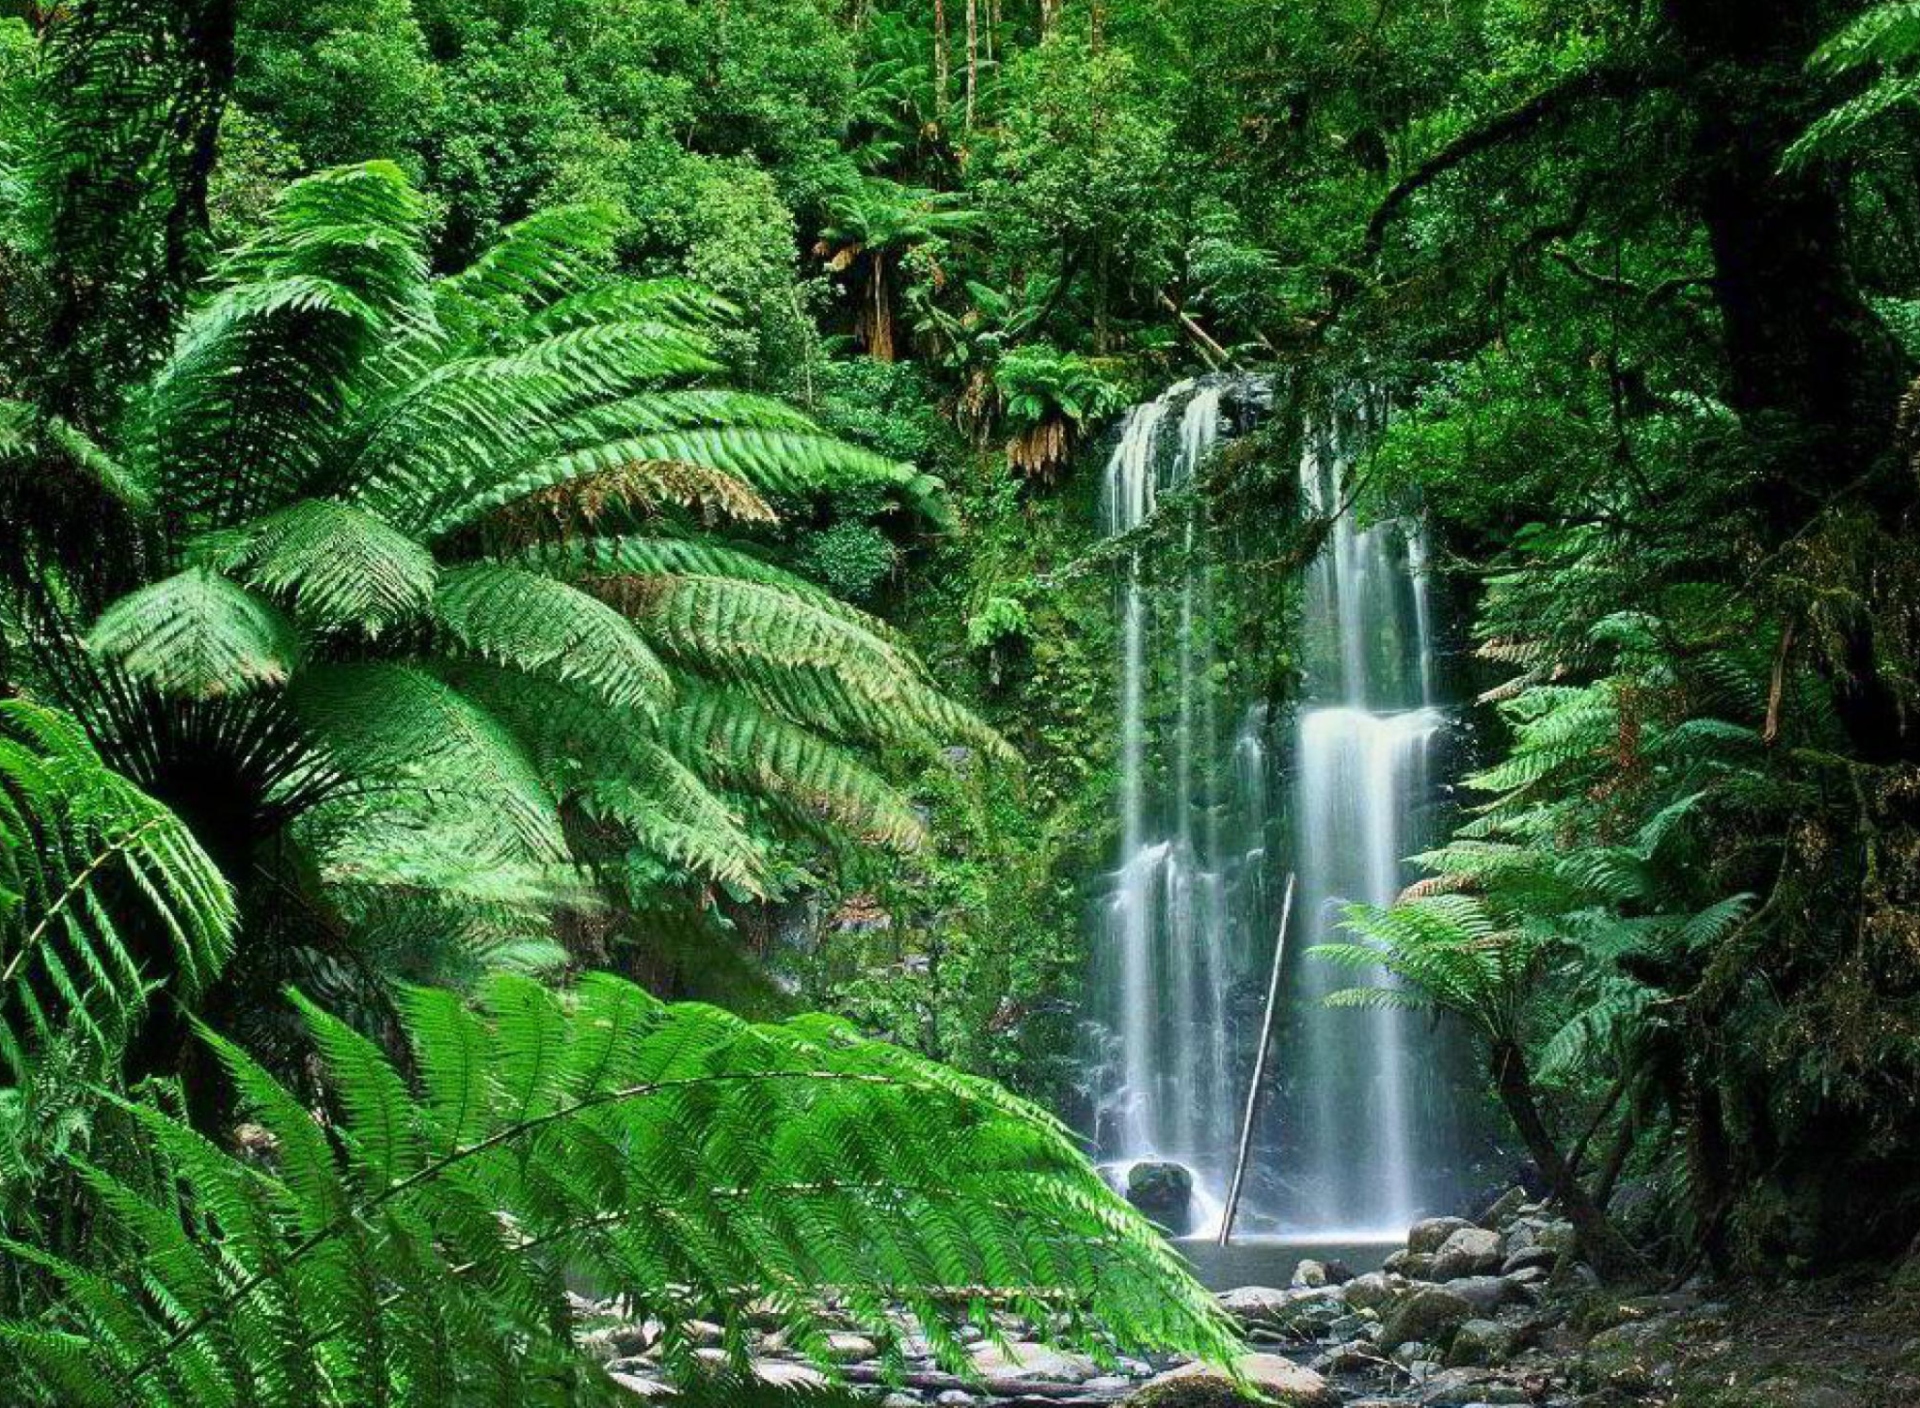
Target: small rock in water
1280	1381
1310	1273
1032	1361
1252	1301
1164	1192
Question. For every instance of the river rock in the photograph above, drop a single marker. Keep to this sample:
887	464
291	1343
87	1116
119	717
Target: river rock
1426	1315
1372	1291
1479	1342
1311	1274
1557	1235
1634	1358
1468	1251
1164	1192
1026	1360
1530	1258
1254	1304
1504	1209
1452	1388
1431	1234
1415	1266
1279	1381
1487	1294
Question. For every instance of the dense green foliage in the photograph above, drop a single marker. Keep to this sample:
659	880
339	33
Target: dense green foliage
440	441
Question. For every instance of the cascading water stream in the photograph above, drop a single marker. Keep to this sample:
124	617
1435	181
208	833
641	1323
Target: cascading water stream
1347	1141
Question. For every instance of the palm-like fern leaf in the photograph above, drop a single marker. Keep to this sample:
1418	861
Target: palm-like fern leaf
198	635
674	1154
539	626
337	564
738	744
436	759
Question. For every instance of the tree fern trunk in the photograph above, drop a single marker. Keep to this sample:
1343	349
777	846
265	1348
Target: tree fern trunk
1605	1249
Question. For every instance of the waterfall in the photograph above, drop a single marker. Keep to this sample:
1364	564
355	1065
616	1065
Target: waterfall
1346	1143
1170	933
1353	1145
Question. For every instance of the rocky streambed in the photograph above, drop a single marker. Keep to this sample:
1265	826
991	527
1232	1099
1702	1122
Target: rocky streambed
1469	1312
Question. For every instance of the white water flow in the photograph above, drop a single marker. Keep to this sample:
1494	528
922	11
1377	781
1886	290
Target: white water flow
1356	1142
1172	946
1185	942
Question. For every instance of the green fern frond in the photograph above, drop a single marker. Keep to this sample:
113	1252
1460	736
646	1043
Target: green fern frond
92	871
535	262
820	667
670	1154
421	747
539	626
199	636
740	745
338	565
609	763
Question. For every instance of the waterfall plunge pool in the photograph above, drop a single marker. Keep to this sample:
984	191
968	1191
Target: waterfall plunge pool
1270	1261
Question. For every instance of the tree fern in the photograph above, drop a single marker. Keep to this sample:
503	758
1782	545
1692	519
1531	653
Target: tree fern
546	628
413	1250
336	565
88	860
377	490
1884	40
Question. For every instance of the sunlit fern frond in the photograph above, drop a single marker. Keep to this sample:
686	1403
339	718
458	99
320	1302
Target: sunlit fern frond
740	745
430	755
421	1248
534	263
336	565
818	666
540	626
198	636
611	764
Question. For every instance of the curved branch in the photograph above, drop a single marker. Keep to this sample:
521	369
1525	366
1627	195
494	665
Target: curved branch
1607	81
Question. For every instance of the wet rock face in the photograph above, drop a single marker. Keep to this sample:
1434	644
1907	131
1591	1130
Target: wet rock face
1164	1192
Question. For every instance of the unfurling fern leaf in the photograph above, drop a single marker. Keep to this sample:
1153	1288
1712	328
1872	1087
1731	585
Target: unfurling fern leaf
415	1253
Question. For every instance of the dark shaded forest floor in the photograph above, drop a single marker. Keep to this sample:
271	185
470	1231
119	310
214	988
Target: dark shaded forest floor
1850	1341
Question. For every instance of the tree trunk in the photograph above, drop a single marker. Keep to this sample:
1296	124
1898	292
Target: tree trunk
1600	1241
1813	374
940	69
973	56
